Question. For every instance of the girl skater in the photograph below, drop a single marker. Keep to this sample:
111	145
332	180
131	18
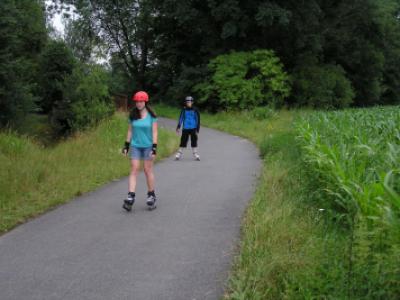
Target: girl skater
189	119
142	140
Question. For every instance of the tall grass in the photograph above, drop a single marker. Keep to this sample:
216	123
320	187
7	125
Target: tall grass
353	159
35	179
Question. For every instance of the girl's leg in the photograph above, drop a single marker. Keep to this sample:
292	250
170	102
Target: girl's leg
151	196
135	165
148	171
128	202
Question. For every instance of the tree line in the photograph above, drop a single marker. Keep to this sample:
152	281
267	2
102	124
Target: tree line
322	54
346	50
41	74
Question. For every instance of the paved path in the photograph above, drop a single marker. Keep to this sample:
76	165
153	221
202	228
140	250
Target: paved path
91	248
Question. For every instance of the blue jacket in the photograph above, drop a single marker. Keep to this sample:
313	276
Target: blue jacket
189	118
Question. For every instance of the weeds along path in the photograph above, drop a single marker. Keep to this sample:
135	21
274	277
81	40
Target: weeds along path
91	249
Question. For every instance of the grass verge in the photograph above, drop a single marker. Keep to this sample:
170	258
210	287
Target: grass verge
35	179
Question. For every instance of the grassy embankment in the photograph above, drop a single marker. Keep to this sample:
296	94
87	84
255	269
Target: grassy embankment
296	242
35	178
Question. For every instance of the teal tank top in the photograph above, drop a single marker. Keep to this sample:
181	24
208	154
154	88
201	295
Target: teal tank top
142	132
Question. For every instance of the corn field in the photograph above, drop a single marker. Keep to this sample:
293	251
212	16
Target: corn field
353	159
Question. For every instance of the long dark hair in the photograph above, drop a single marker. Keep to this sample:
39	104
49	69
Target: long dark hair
135	113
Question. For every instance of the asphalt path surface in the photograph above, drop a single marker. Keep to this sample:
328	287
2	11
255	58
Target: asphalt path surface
90	248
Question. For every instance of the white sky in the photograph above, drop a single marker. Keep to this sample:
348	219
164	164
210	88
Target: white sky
57	21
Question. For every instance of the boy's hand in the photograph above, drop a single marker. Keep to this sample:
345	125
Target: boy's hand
178	131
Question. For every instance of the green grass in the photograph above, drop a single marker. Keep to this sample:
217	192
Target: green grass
35	179
37	127
353	160
291	246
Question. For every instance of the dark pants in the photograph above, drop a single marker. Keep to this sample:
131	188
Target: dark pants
185	137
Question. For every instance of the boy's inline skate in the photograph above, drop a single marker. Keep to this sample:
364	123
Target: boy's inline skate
178	155
196	156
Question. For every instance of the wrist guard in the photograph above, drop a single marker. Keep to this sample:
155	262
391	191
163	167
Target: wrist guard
126	147
154	149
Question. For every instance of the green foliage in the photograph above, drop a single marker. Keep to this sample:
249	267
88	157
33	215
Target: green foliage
355	153
22	36
263	113
56	64
322	87
159	41
352	158
245	80
184	85
86	100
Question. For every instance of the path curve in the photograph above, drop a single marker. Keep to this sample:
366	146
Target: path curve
90	248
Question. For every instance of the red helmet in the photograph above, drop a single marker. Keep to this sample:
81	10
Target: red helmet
140	96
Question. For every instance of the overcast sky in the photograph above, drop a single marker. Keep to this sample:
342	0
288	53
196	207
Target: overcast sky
56	21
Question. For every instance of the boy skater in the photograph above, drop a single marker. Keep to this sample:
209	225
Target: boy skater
189	120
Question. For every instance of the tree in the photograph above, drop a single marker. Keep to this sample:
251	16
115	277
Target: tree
56	63
86	100
22	37
163	43
124	25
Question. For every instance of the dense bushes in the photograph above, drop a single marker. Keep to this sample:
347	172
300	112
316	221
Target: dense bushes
39	74
86	100
244	79
22	38
322	87
56	64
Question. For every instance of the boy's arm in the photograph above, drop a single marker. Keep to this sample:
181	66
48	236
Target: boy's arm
198	121
180	120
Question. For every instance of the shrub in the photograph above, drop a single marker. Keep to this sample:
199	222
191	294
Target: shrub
87	100
183	85
322	87
245	80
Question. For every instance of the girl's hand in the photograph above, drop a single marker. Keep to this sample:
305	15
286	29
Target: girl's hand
153	151
125	150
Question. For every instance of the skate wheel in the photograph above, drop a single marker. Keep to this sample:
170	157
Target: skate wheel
127	207
150	208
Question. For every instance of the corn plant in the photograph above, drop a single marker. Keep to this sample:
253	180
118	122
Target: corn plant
354	157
